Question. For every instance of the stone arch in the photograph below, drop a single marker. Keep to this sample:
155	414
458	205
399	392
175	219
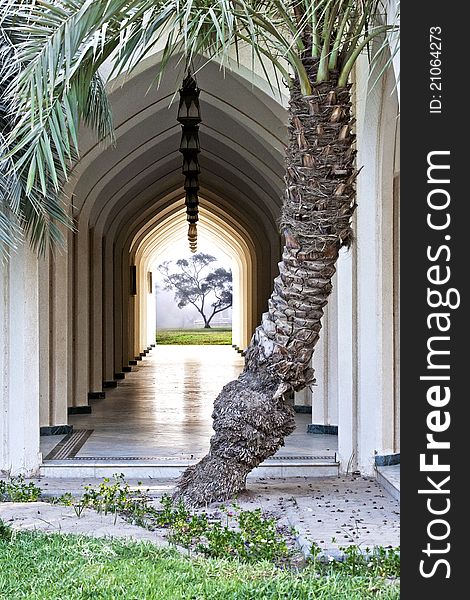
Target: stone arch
123	196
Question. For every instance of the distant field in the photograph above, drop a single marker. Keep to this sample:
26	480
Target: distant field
215	335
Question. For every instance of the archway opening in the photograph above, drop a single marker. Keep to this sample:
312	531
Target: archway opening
196	309
216	235
128	202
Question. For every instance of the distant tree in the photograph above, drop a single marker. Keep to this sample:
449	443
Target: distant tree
193	283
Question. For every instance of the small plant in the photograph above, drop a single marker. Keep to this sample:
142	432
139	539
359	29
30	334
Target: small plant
248	536
112	496
116	497
6	532
171	514
378	562
314	553
353	559
68	499
385	562
15	489
261	538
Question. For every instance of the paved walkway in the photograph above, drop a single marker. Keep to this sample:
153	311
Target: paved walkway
163	409
334	512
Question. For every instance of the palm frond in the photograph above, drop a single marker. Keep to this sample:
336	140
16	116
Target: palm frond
36	152
51	53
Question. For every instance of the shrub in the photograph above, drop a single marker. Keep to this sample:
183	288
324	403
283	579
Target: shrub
248	536
15	489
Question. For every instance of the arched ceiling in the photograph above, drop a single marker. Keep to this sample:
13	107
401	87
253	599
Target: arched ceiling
120	189
211	227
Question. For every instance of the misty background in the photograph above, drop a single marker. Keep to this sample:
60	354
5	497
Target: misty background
169	316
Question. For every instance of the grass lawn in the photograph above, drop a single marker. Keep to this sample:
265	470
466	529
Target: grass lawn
52	567
214	335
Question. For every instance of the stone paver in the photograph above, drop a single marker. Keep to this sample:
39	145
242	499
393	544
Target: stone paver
50	518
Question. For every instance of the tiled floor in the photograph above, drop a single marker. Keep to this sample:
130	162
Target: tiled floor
48	442
163	409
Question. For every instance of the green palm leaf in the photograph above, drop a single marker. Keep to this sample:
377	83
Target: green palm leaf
51	53
39	124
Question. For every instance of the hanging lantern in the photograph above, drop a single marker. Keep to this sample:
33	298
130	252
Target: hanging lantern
191	182
189	116
188	110
189	140
192	213
190	165
192	237
191	201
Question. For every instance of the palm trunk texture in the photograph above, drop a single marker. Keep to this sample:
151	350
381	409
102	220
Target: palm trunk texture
252	416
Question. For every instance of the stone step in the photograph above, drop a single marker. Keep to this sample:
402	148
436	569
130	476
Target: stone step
159	468
389	479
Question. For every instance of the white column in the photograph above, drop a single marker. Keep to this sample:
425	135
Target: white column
121	294
54	348
81	325
142	291
331	412
108	308
151	309
19	417
120	289
69	311
4	366
347	396
44	341
396	303
96	310
60	339
375	377
325	364
320	365
237	306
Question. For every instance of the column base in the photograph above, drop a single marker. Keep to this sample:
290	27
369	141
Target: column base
324	429
79	410
387	460
55	430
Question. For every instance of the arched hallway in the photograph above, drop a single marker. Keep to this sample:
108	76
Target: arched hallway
93	303
128	202
77	322
162	413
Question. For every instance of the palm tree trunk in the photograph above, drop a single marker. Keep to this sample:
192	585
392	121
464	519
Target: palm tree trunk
251	416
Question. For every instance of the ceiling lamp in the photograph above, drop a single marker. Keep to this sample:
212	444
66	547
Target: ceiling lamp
189	115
